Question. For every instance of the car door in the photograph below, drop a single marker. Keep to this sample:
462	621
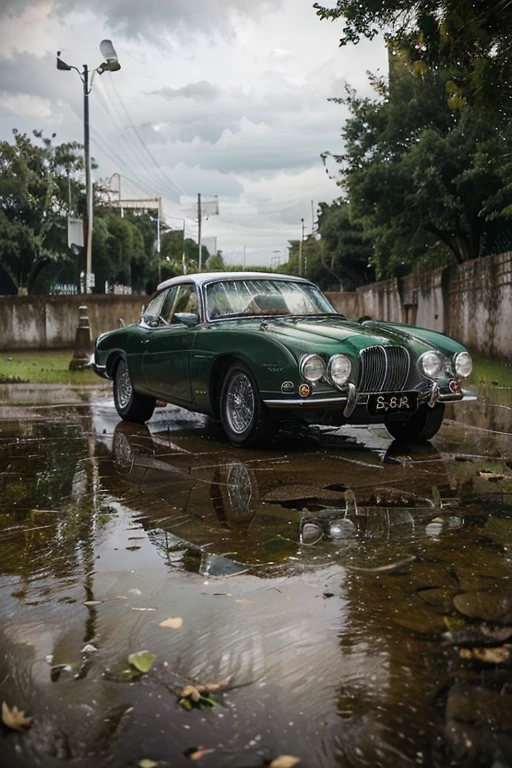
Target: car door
168	345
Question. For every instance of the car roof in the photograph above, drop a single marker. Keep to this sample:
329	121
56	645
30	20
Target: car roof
208	277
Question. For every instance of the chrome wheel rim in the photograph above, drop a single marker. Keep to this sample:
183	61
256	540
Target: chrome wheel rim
240	489
124	386
240	403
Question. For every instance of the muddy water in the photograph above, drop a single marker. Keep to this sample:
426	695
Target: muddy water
353	598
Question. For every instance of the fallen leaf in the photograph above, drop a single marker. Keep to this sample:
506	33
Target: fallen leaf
147	763
285	761
132	548
492	477
328	594
487	655
176	623
214	687
200	753
453	624
190	692
244	601
142	660
14	718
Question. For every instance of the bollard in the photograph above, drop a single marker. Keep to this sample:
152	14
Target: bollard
83	345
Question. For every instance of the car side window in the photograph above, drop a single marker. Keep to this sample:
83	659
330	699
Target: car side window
153	312
186	301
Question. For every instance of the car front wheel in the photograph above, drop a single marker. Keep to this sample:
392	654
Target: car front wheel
129	404
244	418
418	428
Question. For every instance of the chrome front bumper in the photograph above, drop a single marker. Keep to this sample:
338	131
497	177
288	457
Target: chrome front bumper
352	400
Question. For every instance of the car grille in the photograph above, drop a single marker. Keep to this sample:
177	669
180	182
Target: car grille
383	369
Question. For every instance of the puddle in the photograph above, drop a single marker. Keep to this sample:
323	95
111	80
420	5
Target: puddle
354	598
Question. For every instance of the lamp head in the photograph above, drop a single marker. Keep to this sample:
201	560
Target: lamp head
111	63
62	64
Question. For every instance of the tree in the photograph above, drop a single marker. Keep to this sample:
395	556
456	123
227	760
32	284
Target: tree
345	256
421	178
470	37
38	189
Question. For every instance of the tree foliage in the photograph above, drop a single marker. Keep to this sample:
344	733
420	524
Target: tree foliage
38	189
472	38
422	179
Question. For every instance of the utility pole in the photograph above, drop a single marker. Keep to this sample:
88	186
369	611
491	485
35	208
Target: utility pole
300	246
183	256
199	230
158	239
245	256
312	218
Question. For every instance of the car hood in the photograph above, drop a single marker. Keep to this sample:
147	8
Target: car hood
358	336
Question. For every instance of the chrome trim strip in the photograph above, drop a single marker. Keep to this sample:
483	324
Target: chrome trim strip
304	402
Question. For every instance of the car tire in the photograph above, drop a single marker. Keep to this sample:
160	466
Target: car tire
129	404
418	428
244	417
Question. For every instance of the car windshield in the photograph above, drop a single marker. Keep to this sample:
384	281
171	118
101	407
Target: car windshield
265	297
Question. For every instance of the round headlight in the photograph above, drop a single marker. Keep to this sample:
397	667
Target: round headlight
339	369
312	367
431	364
342	529
311	533
463	364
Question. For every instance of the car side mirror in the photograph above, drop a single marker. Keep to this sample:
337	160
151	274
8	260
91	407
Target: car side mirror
187	318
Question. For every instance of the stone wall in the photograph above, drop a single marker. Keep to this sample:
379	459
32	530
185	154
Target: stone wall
471	302
50	322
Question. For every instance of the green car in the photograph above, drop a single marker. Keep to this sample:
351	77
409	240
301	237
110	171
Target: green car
261	350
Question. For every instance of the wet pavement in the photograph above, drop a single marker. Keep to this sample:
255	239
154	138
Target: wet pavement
342	599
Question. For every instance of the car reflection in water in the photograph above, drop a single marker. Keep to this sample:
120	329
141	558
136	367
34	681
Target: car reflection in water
208	511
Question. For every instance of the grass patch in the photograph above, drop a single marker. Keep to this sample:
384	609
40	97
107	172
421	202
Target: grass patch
43	368
491	372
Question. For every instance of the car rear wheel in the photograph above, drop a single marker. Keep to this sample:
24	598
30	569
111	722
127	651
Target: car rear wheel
418	428
129	404
244	417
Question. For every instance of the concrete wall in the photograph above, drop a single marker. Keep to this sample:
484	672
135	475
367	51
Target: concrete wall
50	322
471	302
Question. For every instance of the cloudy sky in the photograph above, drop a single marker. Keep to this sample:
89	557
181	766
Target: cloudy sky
223	97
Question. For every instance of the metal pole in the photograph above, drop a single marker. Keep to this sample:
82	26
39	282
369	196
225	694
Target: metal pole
88	184
183	256
199	230
120	198
245	255
158	242
300	246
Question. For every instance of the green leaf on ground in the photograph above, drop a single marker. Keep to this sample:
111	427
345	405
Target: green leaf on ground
142	660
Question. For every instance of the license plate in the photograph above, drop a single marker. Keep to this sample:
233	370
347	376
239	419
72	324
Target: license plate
392	402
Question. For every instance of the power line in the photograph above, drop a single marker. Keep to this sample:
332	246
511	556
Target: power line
134	152
178	190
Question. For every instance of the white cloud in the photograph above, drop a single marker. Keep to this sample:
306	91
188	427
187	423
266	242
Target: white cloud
225	97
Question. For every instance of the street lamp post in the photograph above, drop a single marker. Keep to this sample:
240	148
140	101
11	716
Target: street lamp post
110	64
